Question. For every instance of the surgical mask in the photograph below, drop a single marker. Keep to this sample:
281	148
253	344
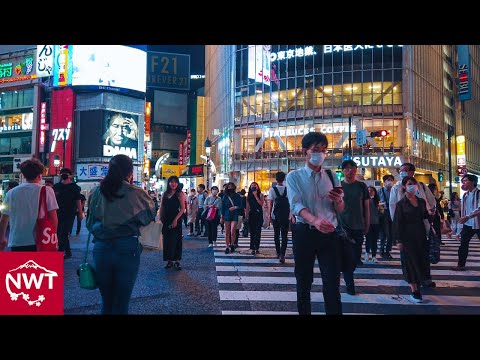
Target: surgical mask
464	187
64	176
214	192
253	189
412	189
403	174
388	183
317	158
372	196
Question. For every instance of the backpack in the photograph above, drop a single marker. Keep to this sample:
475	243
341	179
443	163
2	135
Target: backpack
281	208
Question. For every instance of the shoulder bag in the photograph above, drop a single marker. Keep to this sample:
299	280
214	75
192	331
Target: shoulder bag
151	235
45	236
86	272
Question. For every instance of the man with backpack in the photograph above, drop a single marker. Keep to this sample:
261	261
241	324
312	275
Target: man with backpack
279	212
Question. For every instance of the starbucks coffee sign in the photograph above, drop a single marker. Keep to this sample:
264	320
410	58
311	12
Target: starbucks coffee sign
378	161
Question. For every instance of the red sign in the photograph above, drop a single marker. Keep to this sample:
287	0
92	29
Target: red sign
189	138
463	171
61	128
43	126
181	153
148	111
31	283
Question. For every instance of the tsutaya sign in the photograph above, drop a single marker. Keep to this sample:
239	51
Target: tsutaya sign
378	161
338	48
331	129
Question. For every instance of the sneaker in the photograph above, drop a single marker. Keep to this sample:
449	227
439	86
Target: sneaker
351	290
232	248
374	260
256	251
382	254
367	257
227	250
177	266
196	234
214	243
458	268
210	245
416	297
190	234
253	252
169	265
282	259
388	256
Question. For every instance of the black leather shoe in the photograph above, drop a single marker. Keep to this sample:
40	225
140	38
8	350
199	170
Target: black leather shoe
351	290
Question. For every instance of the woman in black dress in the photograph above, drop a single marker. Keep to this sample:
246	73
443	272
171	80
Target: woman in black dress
171	211
254	213
409	231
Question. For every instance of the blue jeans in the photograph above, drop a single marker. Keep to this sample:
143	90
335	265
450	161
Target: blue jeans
116	264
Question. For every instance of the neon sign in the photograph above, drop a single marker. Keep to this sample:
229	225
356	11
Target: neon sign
338	48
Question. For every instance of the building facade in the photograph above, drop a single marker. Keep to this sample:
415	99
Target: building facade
278	93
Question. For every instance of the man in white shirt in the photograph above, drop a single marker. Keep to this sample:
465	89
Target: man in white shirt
396	194
470	213
21	209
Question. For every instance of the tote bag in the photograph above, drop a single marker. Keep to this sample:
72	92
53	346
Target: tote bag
45	236
211	214
151	236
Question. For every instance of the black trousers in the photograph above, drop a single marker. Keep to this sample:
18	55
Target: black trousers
24	248
386	234
200	221
466	235
309	244
255	221
65	224
283	229
212	226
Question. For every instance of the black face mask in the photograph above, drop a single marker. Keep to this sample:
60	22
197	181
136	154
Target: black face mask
253	189
64	176
231	191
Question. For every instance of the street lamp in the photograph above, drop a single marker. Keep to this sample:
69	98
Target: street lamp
56	163
208	147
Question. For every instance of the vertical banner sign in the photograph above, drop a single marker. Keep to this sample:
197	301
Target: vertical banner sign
43	126
62	65
44	60
461	159
180	153
464	84
189	138
259	63
148	112
149	150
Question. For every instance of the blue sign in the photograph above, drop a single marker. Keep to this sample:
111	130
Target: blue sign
168	71
346	157
464	82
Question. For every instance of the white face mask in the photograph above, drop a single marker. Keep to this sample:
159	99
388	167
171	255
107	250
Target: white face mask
412	189
403	174
388	183
214	192
372	196
317	158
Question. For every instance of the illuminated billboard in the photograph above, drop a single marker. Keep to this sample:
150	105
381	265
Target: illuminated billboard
109	67
120	134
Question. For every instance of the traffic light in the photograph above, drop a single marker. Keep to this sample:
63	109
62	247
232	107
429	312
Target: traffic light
75	178
440	176
340	175
379	133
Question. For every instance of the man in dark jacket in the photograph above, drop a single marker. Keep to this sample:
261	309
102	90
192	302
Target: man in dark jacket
69	202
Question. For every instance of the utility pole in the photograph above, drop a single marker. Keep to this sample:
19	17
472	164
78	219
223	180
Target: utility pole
451	131
350	135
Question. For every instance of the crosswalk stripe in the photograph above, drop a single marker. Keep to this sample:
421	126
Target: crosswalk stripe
280	280
278	296
227	312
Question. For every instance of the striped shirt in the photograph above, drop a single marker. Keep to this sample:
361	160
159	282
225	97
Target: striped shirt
471	206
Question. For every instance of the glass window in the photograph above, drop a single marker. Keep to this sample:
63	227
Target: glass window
4	146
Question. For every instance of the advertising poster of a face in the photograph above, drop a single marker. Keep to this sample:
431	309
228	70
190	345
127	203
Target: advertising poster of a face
120	134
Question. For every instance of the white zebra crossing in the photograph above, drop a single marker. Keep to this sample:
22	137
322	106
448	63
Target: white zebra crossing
260	285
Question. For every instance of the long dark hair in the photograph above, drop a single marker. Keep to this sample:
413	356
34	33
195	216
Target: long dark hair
119	168
376	198
250	192
169	189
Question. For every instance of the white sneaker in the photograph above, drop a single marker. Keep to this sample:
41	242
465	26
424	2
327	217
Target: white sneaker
214	243
210	245
366	257
374	260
